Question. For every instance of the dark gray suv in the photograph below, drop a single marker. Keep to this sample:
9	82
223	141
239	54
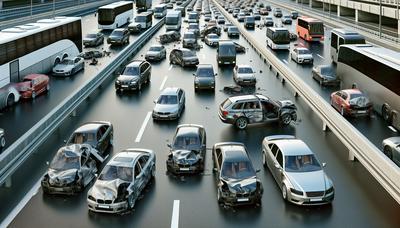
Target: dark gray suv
119	36
246	109
135	74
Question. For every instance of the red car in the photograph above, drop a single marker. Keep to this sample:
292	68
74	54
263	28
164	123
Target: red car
351	102
33	85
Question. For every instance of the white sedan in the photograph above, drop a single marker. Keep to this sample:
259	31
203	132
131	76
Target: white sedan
212	39
302	55
69	66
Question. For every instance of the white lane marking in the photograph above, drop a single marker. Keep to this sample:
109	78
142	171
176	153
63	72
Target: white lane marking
163	82
10	217
284	60
392	128
175	215
320	56
170	67
143	127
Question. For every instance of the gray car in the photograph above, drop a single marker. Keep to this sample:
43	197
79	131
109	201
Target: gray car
119	36
170	104
297	171
134	76
194	27
391	148
2	139
93	39
204	78
189	40
183	57
325	75
286	19
233	31
244	75
247	109
156	52
268	21
69	66
122	181
211	40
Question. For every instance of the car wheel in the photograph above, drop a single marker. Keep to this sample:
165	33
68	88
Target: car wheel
388	152
386	112
10	100
286	118
264	160
140	87
2	142
284	192
241	123
342	111
219	198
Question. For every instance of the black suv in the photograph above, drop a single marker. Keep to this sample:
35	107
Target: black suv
134	76
237	181
119	36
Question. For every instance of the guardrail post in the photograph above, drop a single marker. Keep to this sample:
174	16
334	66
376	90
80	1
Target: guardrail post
324	126
351	156
73	113
7	183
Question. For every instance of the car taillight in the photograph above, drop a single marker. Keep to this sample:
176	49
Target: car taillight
224	113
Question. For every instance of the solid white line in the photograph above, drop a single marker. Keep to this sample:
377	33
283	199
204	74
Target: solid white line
163	82
392	128
284	60
170	67
141	131
175	215
10	217
320	56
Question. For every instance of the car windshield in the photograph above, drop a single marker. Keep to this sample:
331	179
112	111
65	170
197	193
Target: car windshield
193	26
355	95
155	48
227	50
245	70
81	138
250	19
304	51
91	36
189	36
327	71
205	72
167	99
212	36
192	16
186	142
140	18
281	37
188	53
131	71
112	172
65	160
301	163
117	33
67	62
268	19
237	170
233	29
159	10
171	20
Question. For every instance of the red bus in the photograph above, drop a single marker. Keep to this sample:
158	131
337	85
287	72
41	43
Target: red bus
310	29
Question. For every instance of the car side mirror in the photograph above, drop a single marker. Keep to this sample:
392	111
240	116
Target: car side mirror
324	164
96	175
65	141
155	101
194	74
169	145
215	74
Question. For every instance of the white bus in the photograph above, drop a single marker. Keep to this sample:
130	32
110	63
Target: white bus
278	38
342	36
173	20
160	11
375	71
35	48
114	15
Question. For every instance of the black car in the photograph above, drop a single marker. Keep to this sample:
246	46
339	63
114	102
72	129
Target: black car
135	74
249	22
93	39
294	15
226	53
188	150
119	36
183	57
325	75
98	134
237	181
233	31
278	12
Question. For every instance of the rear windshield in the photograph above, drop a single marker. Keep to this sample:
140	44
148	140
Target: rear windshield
245	70
226	103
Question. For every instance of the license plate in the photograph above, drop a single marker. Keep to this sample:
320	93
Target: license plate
184	169
362	111
124	86
103	206
58	189
226	62
315	200
243	199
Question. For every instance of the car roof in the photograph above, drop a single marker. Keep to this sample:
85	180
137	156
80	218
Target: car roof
244	66
188	130
119	29
292	147
241	98
125	159
170	91
135	63
88	127
352	91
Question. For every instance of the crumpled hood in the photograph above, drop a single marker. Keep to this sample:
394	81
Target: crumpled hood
308	181
125	78
166	108
360	101
106	190
243	186
63	67
184	157
22	86
57	177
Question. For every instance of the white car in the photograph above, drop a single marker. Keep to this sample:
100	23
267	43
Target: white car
244	75
2	139
212	39
69	66
302	55
169	105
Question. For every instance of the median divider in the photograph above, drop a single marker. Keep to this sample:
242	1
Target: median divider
377	164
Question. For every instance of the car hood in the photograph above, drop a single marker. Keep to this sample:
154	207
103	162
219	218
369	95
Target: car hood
360	101
246	76
242	186
205	80
106	190
166	108
190	58
61	176
308	181
115	37
63	67
306	56
189	40
184	157
153	53
88	39
126	78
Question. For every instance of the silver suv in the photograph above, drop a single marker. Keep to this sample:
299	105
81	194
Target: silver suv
247	109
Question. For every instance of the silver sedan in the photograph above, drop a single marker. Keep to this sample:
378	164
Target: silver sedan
69	66
297	171
391	148
169	105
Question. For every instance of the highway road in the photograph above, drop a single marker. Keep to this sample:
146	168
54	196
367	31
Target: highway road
27	113
359	200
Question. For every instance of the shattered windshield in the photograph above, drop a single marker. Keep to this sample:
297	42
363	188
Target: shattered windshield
186	142
65	160
237	170
112	172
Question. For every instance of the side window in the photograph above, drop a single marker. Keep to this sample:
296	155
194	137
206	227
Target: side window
237	106
273	148
180	93
99	135
279	158
219	156
344	96
334	40
142	68
138	169
341	41
143	160
252	105
103	130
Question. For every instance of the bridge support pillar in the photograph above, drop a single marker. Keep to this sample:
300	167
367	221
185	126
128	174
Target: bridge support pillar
351	156
338	10
1	4
356	15
398	26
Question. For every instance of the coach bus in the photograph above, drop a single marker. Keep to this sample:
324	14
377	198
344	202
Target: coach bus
35	48
310	29
160	11
278	38
376	71
114	15
173	20
342	36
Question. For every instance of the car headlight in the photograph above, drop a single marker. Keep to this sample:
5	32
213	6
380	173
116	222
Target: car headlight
117	82
297	192
133	82
329	190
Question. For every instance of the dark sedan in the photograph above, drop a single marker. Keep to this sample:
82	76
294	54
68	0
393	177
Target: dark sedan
183	57
325	75
93	39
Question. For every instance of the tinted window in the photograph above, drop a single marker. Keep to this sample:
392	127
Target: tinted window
112	172
316	29
131	71
205	72
237	106
334	40
237	170
167	99
227	50
279	158
226	103
301	163
143	160
245	70
274	148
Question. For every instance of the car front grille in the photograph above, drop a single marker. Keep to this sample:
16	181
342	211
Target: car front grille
104	201
163	113
315	194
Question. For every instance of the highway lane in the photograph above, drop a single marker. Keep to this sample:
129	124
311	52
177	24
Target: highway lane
27	113
374	129
360	201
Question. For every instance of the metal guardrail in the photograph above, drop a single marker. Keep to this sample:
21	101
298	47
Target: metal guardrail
380	167
21	149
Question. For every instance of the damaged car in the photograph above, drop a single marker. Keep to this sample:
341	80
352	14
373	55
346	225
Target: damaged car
71	170
237	181
210	29
169	37
122	180
188	150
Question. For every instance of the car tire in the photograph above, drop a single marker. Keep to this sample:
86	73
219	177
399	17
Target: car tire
140	87
264	160
386	113
284	192
286	119
241	123
219	198
153	172
10	100
2	142
388	152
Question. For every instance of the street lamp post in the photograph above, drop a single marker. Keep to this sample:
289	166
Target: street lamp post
380	18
